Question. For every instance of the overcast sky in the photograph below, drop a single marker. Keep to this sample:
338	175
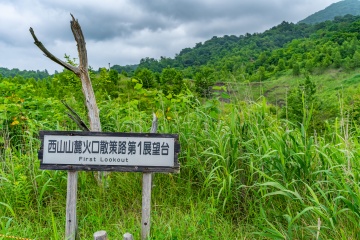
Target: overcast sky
124	31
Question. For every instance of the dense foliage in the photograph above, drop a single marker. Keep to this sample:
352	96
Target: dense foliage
253	165
245	172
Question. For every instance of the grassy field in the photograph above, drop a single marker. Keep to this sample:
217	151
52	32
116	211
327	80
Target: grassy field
245	173
330	83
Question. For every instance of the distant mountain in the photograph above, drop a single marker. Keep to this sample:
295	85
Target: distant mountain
5	72
129	69
236	49
341	8
250	57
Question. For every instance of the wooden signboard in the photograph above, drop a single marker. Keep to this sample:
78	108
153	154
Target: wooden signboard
101	151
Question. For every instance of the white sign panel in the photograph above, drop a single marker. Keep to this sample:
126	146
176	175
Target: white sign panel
101	149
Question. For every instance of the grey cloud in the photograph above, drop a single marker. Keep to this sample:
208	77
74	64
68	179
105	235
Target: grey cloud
199	10
124	31
100	27
162	15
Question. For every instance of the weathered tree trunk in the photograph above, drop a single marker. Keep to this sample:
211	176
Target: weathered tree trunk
81	71
93	114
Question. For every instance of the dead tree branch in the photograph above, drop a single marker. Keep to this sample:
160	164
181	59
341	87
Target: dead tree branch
51	56
81	71
75	117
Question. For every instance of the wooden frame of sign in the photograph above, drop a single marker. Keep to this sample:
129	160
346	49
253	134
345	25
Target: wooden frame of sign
102	151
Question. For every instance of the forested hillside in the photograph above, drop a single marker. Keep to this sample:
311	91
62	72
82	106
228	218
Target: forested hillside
338	9
259	56
234	50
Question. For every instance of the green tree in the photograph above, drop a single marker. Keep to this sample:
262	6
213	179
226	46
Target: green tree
124	73
309	65
113	76
347	63
104	82
261	73
302	104
204	80
145	76
326	62
355	61
281	65
296	69
171	81
337	59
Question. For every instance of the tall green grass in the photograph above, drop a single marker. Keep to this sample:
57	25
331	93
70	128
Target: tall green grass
244	174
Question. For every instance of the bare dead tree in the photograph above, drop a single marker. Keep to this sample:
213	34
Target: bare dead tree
81	71
93	115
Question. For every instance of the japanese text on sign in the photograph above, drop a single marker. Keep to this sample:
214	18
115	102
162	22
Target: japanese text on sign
108	147
108	150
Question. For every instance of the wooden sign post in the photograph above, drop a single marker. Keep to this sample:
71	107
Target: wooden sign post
146	194
100	151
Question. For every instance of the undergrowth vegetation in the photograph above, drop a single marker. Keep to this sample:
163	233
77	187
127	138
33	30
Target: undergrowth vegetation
245	171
